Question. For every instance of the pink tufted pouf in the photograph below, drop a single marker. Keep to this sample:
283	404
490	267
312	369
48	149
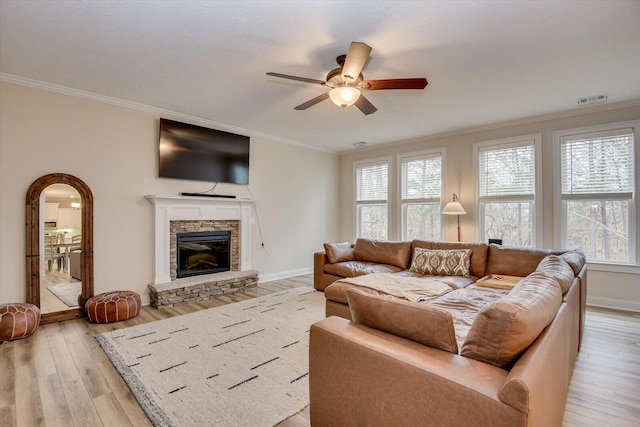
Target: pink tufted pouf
113	306
18	321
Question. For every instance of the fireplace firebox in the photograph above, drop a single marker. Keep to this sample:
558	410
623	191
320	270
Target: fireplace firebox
203	252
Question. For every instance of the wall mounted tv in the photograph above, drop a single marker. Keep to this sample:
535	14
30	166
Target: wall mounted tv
201	154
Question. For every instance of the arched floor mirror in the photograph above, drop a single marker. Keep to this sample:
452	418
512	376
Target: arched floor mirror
34	251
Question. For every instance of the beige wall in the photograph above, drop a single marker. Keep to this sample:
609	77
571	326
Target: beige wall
113	149
607	288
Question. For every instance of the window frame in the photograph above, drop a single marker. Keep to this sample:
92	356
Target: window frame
356	203
505	143
560	218
435	152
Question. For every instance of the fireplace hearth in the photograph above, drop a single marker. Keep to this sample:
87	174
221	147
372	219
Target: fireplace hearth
204	252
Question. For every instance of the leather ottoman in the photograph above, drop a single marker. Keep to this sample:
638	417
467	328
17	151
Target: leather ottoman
18	321
113	306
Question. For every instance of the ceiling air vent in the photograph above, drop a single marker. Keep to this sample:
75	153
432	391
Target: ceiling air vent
592	100
360	144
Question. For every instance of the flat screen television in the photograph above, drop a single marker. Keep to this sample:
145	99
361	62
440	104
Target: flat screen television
201	154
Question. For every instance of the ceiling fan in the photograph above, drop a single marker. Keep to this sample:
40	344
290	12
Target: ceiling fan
347	83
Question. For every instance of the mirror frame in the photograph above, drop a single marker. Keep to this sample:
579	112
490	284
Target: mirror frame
33	244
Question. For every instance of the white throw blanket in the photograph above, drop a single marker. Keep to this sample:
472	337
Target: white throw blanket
411	288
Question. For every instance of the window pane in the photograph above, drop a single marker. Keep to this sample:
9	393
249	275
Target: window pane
597	164
422	221
509	221
422	178
507	171
599	228
372	221
372	182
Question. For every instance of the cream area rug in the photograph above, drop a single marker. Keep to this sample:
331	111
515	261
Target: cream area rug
67	292
241	364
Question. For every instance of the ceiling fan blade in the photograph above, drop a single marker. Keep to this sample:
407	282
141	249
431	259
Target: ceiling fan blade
312	102
365	106
418	83
300	79
356	58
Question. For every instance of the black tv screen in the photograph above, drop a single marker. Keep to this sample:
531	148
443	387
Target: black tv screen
201	154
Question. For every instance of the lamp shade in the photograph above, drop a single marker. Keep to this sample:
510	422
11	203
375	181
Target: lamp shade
344	96
453	208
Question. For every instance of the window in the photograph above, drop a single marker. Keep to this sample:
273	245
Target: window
507	187
597	194
421	189
372	184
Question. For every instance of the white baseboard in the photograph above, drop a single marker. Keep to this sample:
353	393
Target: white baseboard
614	303
284	274
144	299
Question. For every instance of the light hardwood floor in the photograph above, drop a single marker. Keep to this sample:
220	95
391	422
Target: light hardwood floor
61	377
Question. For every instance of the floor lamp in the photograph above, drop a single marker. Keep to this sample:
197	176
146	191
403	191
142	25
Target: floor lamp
454	208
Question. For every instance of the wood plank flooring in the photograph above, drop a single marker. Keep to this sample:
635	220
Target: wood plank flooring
605	386
61	377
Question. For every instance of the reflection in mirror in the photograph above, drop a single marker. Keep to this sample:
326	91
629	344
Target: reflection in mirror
52	256
60	238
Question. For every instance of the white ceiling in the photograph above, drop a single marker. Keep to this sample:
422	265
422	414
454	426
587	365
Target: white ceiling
486	62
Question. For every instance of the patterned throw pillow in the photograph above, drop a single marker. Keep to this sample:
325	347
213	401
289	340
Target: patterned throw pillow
441	262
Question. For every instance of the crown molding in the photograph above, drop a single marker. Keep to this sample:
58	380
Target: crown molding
581	111
161	112
155	111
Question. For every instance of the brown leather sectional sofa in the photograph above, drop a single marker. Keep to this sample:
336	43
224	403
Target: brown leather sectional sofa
472	356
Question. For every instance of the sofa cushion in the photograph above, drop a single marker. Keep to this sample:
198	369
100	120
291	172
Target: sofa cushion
464	305
454	282
383	252
337	291
339	252
478	262
557	268
441	262
505	328
575	259
358	268
512	261
427	325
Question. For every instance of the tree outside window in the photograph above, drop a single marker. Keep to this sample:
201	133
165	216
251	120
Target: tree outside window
421	190
372	184
597	171
507	182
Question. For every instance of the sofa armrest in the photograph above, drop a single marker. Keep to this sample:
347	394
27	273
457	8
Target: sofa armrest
538	383
319	261
363	376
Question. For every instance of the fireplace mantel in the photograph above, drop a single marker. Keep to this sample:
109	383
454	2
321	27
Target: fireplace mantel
180	208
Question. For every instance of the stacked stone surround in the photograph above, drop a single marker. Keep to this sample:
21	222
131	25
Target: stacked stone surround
176	227
197	288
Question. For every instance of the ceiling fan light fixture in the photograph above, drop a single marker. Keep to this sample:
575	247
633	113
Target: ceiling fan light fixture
347	82
344	96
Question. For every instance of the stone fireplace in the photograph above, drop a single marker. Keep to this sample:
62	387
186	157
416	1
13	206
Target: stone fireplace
201	230
191	216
